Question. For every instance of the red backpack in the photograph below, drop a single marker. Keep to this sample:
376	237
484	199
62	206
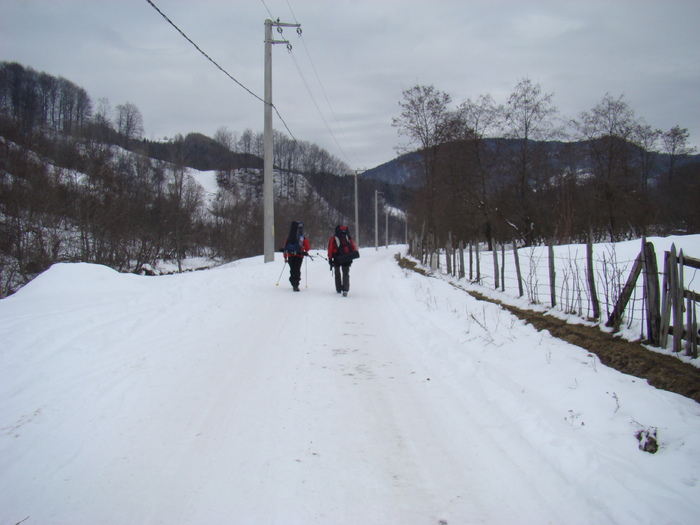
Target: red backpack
342	240
345	251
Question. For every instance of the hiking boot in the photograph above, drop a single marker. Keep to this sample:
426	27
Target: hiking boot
345	294
296	288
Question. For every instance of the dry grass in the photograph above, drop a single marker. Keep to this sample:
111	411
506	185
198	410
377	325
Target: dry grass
660	370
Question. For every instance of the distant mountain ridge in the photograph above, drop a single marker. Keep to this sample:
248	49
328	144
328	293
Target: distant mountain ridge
405	169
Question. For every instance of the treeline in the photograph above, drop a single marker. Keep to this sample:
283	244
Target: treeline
78	182
106	206
519	171
41	100
33	101
290	155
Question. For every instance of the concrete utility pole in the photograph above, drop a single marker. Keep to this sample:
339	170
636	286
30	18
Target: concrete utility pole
377	193
268	184
386	227
357	212
406	224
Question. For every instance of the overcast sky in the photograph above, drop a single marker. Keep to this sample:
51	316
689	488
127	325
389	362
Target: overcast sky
356	57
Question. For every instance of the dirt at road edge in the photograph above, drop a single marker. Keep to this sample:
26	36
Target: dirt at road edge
660	370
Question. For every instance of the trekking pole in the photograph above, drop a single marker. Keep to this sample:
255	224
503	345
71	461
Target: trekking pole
280	277
306	270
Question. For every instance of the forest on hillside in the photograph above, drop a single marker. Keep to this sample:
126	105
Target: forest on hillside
78	182
520	172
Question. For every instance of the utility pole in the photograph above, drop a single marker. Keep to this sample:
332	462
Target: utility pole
386	227
377	193
268	180
357	212
406	232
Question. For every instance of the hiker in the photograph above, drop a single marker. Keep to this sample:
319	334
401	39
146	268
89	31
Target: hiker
341	252
295	248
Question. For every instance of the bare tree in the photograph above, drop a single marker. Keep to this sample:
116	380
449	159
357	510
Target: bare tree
608	128
227	138
675	143
428	123
103	112
647	139
49	99
481	118
529	116
259	145
129	122
186	197
245	146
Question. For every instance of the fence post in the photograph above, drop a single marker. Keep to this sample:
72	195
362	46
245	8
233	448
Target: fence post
495	268
503	267
478	261
429	251
517	268
448	254
689	309
590	270
678	305
616	316
651	294
454	261
693	327
666	296
552	275
471	262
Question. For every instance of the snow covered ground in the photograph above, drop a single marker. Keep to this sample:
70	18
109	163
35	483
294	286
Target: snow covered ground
217	397
613	263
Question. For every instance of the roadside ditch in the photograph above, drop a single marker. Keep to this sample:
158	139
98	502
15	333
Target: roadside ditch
659	370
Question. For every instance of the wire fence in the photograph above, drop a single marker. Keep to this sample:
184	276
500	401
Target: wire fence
558	277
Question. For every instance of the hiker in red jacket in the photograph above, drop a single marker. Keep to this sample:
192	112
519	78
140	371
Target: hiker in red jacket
341	252
295	249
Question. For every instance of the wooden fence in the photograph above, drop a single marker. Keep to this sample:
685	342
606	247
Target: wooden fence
664	309
676	299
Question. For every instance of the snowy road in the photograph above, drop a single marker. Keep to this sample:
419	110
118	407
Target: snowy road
218	397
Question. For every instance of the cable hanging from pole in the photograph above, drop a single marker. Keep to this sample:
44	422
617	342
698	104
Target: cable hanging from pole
202	52
308	88
219	67
330	107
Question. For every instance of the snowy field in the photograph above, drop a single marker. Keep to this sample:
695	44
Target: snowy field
613	264
217	397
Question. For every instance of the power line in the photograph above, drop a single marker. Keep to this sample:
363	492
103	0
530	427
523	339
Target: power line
202	52
221	68
313	99
308	89
318	79
290	10
268	9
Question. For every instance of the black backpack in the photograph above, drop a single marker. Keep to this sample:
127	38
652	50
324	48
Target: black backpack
345	252
342	242
294	245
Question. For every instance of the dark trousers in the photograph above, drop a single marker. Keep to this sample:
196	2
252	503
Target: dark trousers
295	269
342	277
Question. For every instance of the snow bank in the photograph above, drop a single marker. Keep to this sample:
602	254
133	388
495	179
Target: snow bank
218	397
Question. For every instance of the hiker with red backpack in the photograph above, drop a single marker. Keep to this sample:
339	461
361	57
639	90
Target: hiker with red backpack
296	247
341	252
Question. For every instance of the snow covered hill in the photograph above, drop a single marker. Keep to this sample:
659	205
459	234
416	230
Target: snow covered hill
219	397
